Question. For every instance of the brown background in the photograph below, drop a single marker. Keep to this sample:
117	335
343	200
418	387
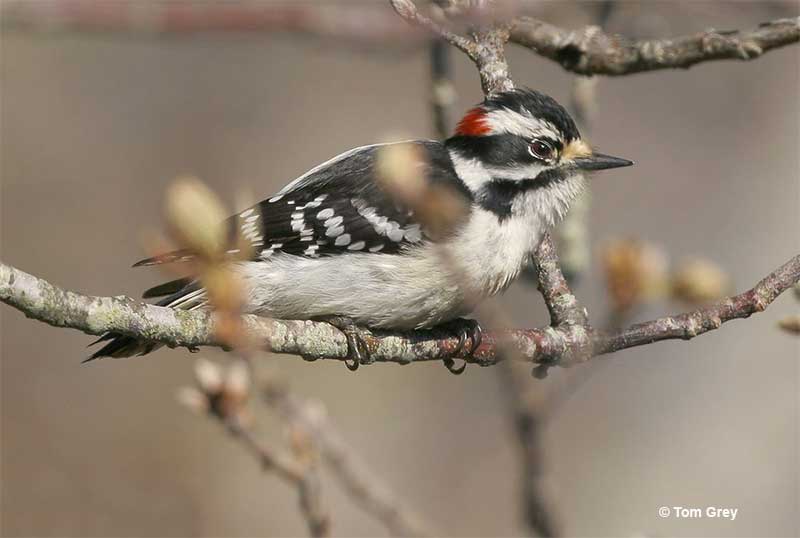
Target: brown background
93	129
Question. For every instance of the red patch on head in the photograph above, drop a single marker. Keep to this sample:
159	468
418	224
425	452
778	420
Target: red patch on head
473	123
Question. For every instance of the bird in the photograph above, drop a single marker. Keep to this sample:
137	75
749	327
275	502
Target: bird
337	245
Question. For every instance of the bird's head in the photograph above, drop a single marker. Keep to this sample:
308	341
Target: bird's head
521	140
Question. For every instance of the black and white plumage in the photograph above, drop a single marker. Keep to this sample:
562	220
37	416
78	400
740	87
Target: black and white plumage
334	243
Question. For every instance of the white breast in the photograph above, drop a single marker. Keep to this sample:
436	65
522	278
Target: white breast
490	252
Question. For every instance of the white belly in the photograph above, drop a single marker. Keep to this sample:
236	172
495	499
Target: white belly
420	288
377	290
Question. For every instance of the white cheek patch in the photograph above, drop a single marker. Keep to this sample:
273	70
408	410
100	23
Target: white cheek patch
518	173
505	121
471	171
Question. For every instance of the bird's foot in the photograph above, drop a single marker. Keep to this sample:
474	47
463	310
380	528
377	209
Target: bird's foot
466	329
357	350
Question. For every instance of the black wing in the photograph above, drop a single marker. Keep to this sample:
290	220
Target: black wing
336	208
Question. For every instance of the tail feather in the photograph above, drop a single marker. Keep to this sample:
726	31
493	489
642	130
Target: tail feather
119	346
168	288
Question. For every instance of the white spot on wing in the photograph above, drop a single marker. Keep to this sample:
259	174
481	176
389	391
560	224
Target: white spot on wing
335	221
395	233
412	233
275	199
333	232
325	214
342	240
358	245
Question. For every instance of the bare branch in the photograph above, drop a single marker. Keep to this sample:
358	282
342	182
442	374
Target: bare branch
339	21
407	9
490	58
304	475
486	47
560	345
527	405
691	324
593	52
284	465
359	482
561	302
442	89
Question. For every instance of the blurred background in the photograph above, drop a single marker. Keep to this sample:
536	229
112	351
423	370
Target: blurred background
95	125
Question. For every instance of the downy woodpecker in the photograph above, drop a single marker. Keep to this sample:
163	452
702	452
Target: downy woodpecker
334	245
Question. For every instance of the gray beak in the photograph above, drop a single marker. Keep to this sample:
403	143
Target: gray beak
599	161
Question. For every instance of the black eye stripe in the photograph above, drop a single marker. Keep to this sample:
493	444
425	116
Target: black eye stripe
556	144
498	150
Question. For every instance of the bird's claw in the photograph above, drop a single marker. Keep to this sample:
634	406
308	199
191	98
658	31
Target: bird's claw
468	329
355	355
357	350
450	364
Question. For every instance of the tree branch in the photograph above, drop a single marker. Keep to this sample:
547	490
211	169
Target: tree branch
352	474
407	9
690	324
559	345
593	52
341	21
561	302
304	477
486	47
224	401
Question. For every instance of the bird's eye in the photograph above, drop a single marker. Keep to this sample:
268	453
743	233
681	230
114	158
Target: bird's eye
541	150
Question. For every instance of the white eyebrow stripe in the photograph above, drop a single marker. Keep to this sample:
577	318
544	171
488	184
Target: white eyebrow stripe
507	121
517	173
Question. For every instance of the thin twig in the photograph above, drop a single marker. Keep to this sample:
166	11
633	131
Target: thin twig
561	302
342	22
591	51
526	403
407	9
442	90
485	47
363	486
223	397
284	465
304	477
